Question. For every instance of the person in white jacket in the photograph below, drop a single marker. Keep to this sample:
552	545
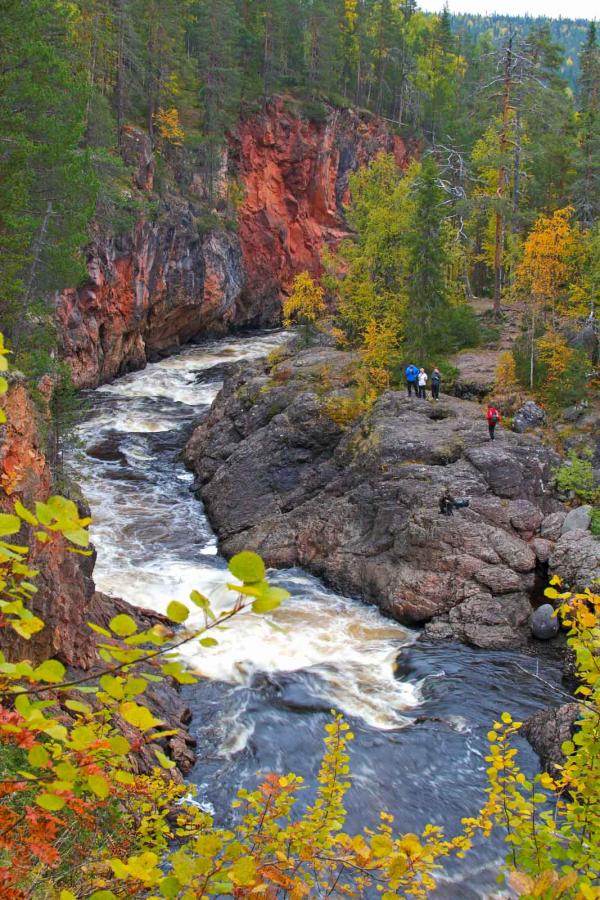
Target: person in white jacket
422	382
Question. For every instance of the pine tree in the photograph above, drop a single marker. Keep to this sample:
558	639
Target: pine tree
587	186
427	263
47	187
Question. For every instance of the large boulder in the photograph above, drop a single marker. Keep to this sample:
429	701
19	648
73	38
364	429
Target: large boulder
544	623
283	470
547	731
577	519
530	415
576	559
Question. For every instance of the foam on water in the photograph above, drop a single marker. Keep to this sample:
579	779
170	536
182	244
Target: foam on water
267	690
155	545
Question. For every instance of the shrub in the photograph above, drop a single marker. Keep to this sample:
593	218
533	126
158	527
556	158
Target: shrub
77	821
577	475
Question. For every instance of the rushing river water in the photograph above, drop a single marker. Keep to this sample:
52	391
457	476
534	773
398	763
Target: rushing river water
420	711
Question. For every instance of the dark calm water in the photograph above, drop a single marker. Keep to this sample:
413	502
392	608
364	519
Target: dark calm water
420	711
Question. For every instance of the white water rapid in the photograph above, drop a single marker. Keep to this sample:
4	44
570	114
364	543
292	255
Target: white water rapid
420	711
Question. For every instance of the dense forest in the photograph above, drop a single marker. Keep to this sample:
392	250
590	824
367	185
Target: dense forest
570	34
484	236
511	144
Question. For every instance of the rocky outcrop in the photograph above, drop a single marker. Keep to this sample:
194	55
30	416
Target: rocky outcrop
66	599
576	559
358	505
174	279
295	174
529	416
148	293
547	731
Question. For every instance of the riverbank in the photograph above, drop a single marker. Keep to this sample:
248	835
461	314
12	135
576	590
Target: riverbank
357	502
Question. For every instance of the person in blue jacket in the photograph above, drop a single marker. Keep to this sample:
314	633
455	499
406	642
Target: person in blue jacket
411	372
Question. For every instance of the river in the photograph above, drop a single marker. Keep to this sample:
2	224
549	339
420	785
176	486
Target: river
420	711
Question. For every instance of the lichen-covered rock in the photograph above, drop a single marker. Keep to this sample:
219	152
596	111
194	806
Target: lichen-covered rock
530	415
547	731
578	519
576	559
360	505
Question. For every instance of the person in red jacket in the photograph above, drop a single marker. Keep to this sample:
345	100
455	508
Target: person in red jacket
493	417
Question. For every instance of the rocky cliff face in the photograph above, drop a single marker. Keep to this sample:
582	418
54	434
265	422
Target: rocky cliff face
66	599
359	505
295	175
149	291
167	282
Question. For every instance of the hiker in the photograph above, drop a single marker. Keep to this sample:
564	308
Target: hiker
411	372
436	380
493	417
422	382
447	502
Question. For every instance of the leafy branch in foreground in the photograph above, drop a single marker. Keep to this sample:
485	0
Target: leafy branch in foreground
78	820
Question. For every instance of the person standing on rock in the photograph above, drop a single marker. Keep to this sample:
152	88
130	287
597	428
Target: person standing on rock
493	418
411	372
436	380
422	382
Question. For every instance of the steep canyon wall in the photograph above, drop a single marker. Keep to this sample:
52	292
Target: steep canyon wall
169	281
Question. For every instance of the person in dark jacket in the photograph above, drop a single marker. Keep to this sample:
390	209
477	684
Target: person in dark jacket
436	380
493	418
411	373
447	502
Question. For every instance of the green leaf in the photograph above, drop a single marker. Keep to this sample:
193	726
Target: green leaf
43	513
51	802
248	567
124	777
120	745
77	706
123	625
133	687
200	600
9	524
208	642
170	887
82	737
38	757
138	716
270	600
51	671
244	870
177	612
165	762
78	536
25	514
103	895
99	785
66	771
112	686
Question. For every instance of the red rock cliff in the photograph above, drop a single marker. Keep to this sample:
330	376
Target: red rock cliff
67	599
295	173
166	283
